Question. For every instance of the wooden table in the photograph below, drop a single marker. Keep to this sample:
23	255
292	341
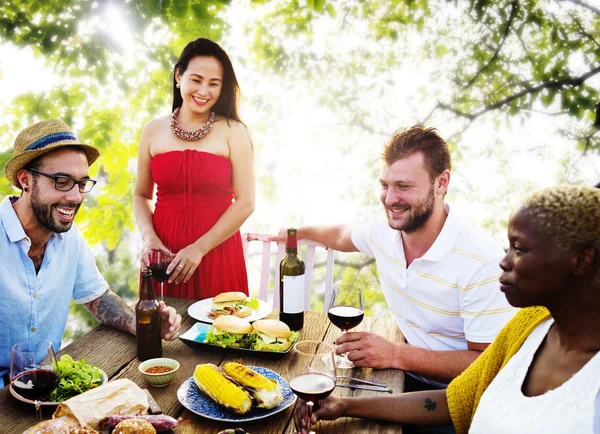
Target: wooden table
115	353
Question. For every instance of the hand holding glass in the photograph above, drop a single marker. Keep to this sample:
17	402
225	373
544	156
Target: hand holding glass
346	311
33	371
159	262
312	372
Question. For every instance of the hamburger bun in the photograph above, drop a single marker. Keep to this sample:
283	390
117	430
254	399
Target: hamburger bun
272	327
225	297
232	324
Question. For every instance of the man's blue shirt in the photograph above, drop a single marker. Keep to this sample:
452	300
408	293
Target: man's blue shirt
36	306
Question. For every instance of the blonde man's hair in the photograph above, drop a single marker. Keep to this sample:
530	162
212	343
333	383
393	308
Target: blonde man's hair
408	141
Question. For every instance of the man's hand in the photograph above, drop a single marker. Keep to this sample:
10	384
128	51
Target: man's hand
280	237
366	349
328	409
170	323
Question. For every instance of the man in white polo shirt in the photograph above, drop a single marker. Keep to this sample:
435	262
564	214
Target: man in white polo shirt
439	278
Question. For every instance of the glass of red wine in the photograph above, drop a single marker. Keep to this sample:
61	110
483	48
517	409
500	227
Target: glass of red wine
159	262
33	371
312	372
346	311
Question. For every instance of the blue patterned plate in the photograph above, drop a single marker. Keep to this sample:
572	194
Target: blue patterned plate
197	402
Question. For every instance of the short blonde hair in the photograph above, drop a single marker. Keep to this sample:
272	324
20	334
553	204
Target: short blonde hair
568	214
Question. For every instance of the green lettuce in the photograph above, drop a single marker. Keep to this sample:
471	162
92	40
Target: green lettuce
251	302
260	345
76	377
223	339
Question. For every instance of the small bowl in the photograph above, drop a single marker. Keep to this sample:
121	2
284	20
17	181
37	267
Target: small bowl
161	379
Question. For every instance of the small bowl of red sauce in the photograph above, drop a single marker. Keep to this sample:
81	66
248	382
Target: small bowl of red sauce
159	372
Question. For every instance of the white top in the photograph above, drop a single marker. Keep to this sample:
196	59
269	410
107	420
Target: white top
573	407
449	295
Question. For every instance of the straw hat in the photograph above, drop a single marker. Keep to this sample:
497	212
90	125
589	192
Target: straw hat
39	139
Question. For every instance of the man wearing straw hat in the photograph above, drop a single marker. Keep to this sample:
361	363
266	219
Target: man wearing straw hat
45	260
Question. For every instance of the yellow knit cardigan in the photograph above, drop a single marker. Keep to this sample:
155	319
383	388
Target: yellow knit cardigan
464	392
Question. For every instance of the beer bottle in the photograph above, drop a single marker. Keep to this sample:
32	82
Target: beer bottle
147	317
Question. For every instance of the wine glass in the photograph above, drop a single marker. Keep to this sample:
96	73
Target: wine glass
312	372
159	262
33	371
346	311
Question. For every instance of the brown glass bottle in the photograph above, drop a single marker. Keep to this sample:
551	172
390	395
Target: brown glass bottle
291	286
147	316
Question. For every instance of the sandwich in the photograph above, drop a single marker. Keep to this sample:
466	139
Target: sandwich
232	303
273	335
265	391
230	331
209	378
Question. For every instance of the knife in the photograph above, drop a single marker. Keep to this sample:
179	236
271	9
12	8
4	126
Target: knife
153	407
359	380
365	387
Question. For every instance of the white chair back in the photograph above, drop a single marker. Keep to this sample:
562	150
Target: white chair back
309	263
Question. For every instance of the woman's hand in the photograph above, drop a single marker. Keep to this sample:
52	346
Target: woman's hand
327	409
152	243
185	263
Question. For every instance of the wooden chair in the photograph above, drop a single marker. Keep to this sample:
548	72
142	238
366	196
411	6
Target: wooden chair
309	262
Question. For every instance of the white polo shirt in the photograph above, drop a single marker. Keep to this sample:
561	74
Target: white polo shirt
449	295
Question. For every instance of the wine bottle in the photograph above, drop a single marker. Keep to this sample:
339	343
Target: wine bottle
291	286
147	320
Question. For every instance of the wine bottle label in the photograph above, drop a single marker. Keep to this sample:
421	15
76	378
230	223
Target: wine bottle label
293	294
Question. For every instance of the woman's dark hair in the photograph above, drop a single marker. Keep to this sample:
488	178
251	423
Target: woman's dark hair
227	104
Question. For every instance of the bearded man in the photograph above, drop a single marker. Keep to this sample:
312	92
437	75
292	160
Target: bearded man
45	260
439	278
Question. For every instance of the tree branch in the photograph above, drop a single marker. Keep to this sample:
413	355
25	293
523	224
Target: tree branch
582	29
557	84
513	13
585	5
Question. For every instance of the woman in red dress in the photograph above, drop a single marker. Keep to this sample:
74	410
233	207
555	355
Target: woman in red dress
201	160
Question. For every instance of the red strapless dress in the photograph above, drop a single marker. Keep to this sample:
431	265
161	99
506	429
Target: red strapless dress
193	191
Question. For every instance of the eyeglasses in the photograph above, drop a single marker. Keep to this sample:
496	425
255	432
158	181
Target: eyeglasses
64	183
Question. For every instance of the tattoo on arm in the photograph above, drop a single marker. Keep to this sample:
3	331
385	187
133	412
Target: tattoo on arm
111	310
430	405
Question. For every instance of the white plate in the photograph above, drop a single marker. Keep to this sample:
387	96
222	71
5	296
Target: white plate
199	311
197	402
103	381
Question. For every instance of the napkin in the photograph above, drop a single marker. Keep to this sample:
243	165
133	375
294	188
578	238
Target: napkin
196	333
119	397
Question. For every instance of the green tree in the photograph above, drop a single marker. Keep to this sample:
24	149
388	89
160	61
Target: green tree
503	58
106	93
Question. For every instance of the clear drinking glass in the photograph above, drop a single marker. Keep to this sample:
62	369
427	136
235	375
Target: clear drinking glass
33	371
346	311
312	372
159	262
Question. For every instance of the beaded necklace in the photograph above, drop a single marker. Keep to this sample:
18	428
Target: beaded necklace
191	135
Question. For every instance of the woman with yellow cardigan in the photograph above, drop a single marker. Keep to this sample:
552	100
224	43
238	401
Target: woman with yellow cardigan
542	373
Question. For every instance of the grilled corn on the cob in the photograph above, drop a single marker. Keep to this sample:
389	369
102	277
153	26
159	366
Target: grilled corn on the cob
266	392
223	391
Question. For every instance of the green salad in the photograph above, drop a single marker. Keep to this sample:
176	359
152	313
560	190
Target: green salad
76	377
